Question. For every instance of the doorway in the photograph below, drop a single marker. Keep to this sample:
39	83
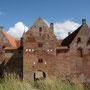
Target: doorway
39	75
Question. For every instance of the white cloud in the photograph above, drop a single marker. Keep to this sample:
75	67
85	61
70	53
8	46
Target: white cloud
46	22
17	30
61	29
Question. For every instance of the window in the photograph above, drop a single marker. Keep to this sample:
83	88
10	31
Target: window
40	29
49	50
26	50
61	51
80	52
40	45
40	60
78	40
31	50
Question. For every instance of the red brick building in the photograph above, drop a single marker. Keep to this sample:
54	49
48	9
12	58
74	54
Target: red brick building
42	55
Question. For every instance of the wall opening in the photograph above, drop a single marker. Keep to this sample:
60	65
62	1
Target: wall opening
78	40
39	75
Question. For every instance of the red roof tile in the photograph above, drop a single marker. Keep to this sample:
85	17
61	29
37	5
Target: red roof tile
10	39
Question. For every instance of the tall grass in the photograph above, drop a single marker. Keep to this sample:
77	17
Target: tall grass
11	83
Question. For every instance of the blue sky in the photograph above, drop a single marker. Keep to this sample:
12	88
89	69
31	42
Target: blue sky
27	11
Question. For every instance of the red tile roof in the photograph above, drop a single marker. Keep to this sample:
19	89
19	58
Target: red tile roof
10	39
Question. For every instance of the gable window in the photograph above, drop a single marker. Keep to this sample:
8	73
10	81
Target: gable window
78	40
40	60
40	45
40	29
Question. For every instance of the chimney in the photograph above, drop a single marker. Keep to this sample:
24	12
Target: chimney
52	26
83	21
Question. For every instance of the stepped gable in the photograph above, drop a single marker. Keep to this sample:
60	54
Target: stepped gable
38	23
38	31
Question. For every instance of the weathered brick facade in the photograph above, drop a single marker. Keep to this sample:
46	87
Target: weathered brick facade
42	55
43	52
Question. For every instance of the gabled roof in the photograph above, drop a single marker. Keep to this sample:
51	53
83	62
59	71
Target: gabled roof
10	39
84	28
67	41
40	21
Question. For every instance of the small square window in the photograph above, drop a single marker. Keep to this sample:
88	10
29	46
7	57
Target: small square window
40	45
32	50
51	50
48	50
26	50
29	50
40	60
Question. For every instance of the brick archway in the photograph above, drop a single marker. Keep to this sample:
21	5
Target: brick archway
39	75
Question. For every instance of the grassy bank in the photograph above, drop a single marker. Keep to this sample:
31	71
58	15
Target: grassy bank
10	83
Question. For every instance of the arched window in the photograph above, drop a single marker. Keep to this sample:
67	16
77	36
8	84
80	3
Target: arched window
78	40
40	29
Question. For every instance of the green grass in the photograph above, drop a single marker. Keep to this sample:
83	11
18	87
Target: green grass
11	83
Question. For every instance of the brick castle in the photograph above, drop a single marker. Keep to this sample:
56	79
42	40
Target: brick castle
39	54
